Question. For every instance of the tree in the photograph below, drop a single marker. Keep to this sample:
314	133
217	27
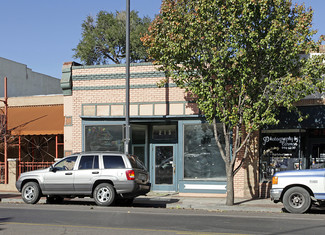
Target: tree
104	38
240	60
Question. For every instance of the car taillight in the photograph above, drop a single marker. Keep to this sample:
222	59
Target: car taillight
130	174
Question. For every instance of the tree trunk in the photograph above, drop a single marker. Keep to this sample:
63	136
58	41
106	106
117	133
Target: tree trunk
230	186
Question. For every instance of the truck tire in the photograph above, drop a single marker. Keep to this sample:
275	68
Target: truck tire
104	194
297	200
31	193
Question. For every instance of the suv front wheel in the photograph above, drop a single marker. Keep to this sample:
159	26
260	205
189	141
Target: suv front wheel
31	193
104	194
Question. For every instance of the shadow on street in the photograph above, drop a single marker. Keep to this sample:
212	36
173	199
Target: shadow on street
138	202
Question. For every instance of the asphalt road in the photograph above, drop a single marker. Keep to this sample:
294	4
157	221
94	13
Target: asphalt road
91	219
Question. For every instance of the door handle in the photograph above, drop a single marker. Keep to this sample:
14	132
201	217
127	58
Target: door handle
95	172
68	173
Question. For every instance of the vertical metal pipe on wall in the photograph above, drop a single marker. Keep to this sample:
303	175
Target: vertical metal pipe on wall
56	147
127	82
19	154
5	134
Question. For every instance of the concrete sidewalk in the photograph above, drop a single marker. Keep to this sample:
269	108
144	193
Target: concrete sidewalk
174	201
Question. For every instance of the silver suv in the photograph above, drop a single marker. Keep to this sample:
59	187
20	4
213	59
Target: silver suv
105	176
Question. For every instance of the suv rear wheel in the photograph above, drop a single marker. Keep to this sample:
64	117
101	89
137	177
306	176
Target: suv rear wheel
104	194
31	193
297	200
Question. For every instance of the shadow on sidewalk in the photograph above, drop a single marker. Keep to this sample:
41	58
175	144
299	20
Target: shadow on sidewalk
255	200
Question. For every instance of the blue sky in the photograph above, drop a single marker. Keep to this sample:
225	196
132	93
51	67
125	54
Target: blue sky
42	33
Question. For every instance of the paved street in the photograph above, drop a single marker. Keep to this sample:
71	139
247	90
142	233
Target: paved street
86	218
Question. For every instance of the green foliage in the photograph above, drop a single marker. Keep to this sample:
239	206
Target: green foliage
240	59
104	38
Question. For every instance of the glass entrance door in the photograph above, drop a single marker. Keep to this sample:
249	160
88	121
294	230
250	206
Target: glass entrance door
164	167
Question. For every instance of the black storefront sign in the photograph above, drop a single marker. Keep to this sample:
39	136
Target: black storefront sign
281	144
280	152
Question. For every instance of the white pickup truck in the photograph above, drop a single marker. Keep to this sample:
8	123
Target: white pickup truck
299	189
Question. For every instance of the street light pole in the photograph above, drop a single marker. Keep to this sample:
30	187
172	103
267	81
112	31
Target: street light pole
127	82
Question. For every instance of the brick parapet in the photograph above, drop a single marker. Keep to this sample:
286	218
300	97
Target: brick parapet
102	85
111	69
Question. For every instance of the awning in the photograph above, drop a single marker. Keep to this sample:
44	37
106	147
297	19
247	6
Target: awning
36	120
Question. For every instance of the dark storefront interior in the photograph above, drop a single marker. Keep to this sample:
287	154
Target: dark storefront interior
293	145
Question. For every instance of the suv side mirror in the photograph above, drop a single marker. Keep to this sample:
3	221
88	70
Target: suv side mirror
53	169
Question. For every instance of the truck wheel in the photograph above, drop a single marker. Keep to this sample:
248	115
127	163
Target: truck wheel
297	200
104	194
31	193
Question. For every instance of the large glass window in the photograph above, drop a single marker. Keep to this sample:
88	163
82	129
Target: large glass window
202	159
104	138
280	152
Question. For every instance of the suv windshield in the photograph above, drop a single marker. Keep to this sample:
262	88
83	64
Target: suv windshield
136	163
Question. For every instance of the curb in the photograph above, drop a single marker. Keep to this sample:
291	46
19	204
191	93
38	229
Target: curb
210	204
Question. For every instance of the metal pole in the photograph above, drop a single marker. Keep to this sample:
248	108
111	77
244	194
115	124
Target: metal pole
56	147
127	82
19	155
5	137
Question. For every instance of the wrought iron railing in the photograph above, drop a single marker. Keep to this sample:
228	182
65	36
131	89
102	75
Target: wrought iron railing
2	172
30	166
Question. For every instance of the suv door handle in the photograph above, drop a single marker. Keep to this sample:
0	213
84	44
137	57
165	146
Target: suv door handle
95	172
68	173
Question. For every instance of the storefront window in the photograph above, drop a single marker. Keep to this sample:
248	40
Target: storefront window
280	152
317	145
104	138
202	159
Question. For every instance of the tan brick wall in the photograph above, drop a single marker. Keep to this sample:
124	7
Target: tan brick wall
147	96
246	180
114	69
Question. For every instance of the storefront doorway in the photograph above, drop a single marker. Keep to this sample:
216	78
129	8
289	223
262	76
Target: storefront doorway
163	172
140	143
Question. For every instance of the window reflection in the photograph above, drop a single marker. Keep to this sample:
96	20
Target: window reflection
202	159
164	165
104	138
66	165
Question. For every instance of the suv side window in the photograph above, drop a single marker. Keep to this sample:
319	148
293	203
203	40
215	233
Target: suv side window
113	162
66	164
88	162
